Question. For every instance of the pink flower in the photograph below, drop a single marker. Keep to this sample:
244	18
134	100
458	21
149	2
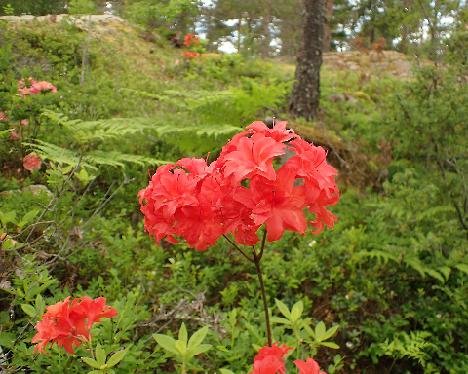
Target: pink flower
24	122
310	366
32	162
3	117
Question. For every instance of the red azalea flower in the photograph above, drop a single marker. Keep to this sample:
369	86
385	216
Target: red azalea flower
33	87
242	190
310	366
68	324
278	132
191	55
191	39
279	204
92	310
32	162
270	360
253	156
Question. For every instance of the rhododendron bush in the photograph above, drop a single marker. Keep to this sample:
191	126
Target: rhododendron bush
263	177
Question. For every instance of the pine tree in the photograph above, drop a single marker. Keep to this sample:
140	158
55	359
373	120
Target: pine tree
306	91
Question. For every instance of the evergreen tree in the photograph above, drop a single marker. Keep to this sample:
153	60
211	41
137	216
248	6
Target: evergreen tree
306	91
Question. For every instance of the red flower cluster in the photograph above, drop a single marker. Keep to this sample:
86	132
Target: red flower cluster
31	161
3	117
191	39
68	323
242	190
270	360
33	87
191	54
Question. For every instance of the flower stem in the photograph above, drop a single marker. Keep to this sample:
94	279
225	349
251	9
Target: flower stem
91	349
235	246
257	259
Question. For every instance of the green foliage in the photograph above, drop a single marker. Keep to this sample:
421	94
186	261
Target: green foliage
81	7
101	364
35	7
301	328
164	15
184	349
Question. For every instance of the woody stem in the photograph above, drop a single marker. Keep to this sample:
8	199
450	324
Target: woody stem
256	261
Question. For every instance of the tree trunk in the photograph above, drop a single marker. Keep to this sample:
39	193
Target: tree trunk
327	28
372	22
404	44
266	35
306	92
239	31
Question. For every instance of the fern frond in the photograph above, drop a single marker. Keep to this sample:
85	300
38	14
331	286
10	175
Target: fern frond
49	151
92	160
382	256
110	129
118	159
413	345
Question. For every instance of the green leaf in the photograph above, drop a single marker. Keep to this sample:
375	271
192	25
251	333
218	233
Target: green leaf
283	309
29	310
320	330
181	347
330	345
435	274
91	362
28	218
198	337
225	371
445	270
7	217
462	267
7	339
39	303
116	358
8	244
297	310
279	320
183	333
202	348
100	355
330	332
166	342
